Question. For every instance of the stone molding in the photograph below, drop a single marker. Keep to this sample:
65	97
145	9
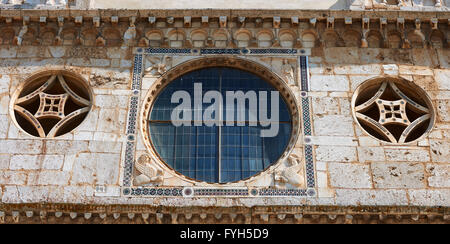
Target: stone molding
48	213
401	5
130	27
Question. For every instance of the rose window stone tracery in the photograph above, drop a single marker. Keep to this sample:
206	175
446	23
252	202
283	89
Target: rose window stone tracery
51	104
393	110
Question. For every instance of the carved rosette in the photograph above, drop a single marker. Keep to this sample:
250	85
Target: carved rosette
51	104
393	110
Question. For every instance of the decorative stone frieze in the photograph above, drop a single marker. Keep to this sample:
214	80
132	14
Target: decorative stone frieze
123	214
328	31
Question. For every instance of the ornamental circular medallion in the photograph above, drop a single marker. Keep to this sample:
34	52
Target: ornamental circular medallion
209	146
51	103
393	110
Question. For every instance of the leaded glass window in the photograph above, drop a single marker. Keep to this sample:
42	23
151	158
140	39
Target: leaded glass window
223	153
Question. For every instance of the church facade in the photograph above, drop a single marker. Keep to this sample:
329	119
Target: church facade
117	112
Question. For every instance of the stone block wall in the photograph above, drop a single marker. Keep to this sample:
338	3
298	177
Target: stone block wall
354	167
351	168
68	168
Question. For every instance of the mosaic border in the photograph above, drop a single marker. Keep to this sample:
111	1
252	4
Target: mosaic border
207	191
304	73
132	120
154	192
220	51
307	127
307	130
215	192
236	192
283	192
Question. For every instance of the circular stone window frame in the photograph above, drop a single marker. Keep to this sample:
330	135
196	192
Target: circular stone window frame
228	62
39	74
421	92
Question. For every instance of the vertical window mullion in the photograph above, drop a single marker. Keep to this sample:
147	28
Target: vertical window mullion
242	152
175	149
263	152
196	152
219	135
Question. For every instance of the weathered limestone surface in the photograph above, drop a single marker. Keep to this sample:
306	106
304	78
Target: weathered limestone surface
344	175
352	168
439	175
371	197
398	175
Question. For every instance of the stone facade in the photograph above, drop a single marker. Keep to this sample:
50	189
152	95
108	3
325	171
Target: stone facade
122	55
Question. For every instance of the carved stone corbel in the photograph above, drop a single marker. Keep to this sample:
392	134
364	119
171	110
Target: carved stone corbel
241	21
276	22
365	32
130	33
330	23
294	21
19	38
418	23
205	21
223	21
313	22
58	38
434	23
187	21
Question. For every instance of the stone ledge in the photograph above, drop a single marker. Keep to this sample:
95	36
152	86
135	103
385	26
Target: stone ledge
74	213
163	13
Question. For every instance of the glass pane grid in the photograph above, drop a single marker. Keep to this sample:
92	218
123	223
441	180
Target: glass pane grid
194	150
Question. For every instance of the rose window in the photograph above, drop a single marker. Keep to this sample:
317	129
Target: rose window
393	110
231	150
51	104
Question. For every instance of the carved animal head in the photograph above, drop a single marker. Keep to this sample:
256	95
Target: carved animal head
144	159
293	160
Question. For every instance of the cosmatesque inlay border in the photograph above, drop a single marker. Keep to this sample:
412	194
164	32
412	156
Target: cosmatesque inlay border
130	150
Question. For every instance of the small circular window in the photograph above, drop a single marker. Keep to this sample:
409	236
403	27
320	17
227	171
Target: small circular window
51	104
219	124
393	110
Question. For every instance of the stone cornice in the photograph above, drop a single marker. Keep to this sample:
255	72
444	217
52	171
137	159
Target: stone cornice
78	213
131	27
304	15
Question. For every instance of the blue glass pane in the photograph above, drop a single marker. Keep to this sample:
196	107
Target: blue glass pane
190	150
194	151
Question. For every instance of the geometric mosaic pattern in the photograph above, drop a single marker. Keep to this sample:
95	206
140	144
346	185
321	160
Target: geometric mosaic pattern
304	73
307	128
154	192
283	192
218	51
207	191
221	192
132	120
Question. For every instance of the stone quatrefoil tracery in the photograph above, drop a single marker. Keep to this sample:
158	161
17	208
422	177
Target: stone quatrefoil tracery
392	110
51	107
